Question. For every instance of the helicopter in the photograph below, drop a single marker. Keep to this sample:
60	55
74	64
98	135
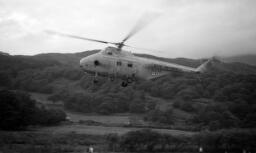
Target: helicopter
115	62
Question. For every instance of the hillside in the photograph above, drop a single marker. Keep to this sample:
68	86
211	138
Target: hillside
247	59
224	94
65	59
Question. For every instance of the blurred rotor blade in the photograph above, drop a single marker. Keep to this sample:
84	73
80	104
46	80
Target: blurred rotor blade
141	23
146	49
77	37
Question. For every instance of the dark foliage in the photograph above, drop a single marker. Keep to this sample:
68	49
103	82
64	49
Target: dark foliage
37	142
49	116
231	86
105	104
159	116
216	117
184	105
17	111
235	140
149	141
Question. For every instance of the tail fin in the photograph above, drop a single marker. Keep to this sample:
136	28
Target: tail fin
203	67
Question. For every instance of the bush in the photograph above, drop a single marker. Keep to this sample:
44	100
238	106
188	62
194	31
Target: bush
234	140
113	142
159	116
184	105
149	141
95	102
49	116
18	110
137	107
216	117
143	140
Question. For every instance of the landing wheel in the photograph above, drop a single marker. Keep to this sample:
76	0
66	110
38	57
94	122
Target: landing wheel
95	81
124	84
111	79
129	80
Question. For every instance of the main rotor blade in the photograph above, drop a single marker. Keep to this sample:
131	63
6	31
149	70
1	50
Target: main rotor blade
141	23
146	49
77	37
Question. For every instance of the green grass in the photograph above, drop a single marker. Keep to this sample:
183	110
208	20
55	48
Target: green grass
37	142
106	119
103	130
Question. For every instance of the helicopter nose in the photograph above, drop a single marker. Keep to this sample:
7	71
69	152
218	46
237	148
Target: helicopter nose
82	62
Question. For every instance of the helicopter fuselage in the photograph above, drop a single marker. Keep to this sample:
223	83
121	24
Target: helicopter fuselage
113	63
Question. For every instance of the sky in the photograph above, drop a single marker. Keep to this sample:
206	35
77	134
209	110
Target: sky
184	28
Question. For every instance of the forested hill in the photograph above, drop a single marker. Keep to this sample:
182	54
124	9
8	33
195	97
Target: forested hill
231	64
16	70
247	59
221	98
65	59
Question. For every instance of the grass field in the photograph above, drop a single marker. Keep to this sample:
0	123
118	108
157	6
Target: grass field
109	119
102	130
44	142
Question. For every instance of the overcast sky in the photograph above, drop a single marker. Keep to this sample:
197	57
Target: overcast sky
185	28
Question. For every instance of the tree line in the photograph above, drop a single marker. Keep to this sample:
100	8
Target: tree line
150	141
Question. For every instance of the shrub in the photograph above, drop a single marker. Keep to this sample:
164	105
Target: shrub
18	110
160	116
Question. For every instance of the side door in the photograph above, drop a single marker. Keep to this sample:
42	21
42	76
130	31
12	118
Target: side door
118	67
125	68
131	68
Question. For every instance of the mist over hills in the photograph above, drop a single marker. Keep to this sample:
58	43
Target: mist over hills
71	59
247	59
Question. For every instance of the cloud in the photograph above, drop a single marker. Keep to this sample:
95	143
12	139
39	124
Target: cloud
199	28
16	25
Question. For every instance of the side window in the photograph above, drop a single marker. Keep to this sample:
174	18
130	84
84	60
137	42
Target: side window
109	53
118	63
129	64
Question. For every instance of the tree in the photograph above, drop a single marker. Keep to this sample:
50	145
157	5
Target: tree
143	140
159	116
113	140
5	80
216	117
137	106
16	110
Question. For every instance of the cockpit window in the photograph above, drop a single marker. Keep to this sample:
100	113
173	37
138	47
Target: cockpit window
118	63
109	53
129	64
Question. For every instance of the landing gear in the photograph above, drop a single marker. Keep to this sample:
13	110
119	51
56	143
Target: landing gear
127	81
95	80
130	80
111	79
124	84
